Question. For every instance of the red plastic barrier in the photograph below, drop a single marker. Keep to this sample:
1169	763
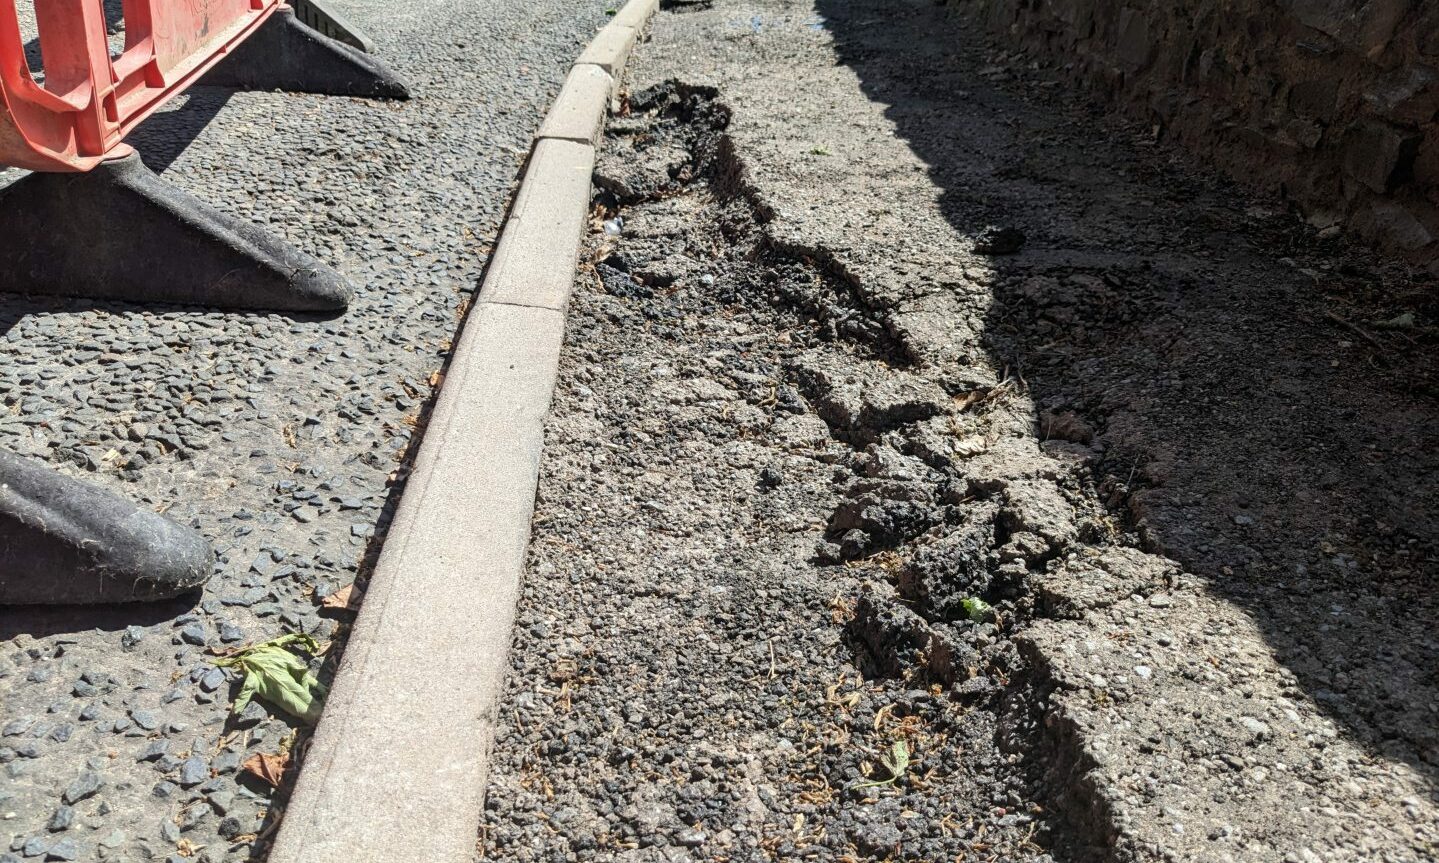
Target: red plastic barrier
90	102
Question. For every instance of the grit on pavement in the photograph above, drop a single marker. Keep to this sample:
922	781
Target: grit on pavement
943	469
282	439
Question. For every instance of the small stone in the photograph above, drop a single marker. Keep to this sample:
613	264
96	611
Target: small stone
193	633
61	820
212	680
85	785
222	801
170	831
146	719
114	839
1161	600
65	849
193	771
230	633
165	789
34	847
155	750
264	563
193	816
878	839
226	762
132	636
252	715
690	838
230	827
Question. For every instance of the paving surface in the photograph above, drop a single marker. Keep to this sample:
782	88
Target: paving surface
882	322
281	439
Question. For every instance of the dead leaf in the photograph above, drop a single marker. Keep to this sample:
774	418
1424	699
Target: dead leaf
969	398
267	768
347	598
970	446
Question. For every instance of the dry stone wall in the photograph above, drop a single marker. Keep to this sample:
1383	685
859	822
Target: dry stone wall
1334	103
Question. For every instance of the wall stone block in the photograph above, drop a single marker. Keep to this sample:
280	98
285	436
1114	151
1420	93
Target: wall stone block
1334	103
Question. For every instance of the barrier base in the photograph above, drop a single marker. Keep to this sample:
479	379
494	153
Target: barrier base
284	54
326	19
63	541
120	232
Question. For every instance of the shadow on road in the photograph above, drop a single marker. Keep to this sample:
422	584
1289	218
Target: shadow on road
1263	425
42	621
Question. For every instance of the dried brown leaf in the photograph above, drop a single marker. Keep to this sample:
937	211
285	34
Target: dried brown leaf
347	598
267	768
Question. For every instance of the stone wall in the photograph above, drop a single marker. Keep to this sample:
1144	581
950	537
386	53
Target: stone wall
1333	103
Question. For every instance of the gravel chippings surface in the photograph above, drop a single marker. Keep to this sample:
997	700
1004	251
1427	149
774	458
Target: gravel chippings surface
908	400
281	439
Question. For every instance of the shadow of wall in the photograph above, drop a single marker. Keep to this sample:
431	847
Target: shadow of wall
1252	430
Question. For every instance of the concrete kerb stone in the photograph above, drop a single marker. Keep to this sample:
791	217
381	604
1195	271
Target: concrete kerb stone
579	112
636	13
610	51
429	651
534	263
441	602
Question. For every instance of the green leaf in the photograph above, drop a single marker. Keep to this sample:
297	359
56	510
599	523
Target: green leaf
896	762
280	678
977	609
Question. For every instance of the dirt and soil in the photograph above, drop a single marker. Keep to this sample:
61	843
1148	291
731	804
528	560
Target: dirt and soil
914	409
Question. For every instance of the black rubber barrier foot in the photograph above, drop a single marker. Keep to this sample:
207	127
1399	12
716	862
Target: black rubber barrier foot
321	16
120	232
284	54
63	541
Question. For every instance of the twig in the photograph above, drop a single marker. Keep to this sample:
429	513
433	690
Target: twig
1358	331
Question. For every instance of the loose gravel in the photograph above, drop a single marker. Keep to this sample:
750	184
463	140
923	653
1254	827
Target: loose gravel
281	439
